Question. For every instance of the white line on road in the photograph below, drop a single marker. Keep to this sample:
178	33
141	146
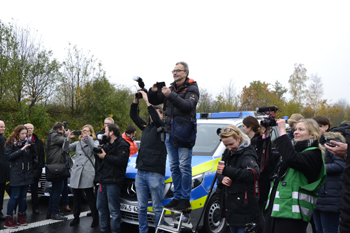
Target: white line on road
40	223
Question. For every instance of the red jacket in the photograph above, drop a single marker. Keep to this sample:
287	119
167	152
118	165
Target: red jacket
133	146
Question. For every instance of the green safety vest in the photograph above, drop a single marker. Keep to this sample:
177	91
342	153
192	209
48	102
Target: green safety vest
295	197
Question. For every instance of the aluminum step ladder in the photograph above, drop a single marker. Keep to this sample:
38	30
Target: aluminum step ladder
178	223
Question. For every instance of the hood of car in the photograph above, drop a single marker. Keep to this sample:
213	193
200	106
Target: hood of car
200	164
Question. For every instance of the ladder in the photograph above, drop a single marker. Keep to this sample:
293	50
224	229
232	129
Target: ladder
177	223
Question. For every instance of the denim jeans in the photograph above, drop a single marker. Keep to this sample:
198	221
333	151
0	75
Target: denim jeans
237	229
18	194
180	161
108	205
326	222
55	195
65	199
147	182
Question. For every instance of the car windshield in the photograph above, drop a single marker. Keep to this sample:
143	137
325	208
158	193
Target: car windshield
207	140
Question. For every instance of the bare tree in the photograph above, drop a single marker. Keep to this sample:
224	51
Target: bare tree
315	93
297	82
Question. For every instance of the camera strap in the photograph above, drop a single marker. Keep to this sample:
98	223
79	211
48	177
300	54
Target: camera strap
86	155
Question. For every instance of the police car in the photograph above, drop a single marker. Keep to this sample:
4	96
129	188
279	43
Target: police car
206	154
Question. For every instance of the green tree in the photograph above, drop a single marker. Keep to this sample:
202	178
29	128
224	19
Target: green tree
297	82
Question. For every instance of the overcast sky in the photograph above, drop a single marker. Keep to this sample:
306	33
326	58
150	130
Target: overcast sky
220	40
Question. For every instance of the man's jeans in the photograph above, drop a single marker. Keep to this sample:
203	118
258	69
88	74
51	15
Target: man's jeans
149	182
180	160
18	194
108	205
55	195
326	222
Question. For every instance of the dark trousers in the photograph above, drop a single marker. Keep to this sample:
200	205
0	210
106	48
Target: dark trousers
3	188
91	199
34	190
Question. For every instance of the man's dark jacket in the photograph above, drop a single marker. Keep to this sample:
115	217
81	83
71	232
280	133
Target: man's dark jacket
111	169
39	148
345	199
152	153
54	151
182	101
4	166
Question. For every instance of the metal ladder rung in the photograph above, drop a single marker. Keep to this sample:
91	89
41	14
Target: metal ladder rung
178	223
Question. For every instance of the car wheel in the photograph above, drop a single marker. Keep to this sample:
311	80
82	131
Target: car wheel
213	223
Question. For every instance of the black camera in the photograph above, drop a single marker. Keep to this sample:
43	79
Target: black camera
141	85
65	123
102	140
270	120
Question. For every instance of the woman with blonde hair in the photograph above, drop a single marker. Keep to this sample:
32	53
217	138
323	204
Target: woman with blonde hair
238	180
83	171
300	175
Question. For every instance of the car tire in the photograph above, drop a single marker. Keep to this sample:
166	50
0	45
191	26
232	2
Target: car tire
213	223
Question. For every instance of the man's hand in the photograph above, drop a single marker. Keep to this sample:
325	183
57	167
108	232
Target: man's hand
166	91
102	155
154	87
339	149
226	181
220	168
145	97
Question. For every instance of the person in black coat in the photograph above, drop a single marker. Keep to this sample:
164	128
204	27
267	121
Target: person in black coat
238	180
327	212
4	168
22	158
39	148
150	161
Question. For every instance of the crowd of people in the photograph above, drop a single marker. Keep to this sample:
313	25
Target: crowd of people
260	190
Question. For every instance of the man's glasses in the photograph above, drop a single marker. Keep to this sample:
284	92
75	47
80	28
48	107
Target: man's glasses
177	71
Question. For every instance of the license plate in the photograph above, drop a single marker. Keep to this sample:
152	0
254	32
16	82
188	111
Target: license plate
129	208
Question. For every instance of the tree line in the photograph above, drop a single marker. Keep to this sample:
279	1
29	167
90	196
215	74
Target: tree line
35	87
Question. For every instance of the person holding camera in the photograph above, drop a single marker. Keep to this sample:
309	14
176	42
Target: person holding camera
261	141
55	155
150	161
238	177
111	163
23	159
300	175
180	101
129	135
83	171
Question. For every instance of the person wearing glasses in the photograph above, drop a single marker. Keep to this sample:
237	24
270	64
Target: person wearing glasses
238	180
180	99
293	193
83	171
108	120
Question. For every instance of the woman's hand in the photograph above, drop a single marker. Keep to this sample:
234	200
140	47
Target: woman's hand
70	134
226	181
282	126
25	146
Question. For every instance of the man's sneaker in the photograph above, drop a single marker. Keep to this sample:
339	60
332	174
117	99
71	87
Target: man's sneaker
58	217
183	205
172	204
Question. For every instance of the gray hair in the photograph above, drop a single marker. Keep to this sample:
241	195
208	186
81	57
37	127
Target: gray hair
185	66
111	119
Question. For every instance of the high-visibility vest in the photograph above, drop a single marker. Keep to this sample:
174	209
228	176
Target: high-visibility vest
295	198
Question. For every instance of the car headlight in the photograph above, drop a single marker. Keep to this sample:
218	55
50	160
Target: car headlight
169	187
197	180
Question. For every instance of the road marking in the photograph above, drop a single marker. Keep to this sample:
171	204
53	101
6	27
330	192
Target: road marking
41	223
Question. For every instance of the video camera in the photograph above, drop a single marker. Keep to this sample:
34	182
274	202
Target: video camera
102	140
270	120
141	85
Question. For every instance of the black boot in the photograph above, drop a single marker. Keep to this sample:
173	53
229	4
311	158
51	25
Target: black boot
95	223
74	222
